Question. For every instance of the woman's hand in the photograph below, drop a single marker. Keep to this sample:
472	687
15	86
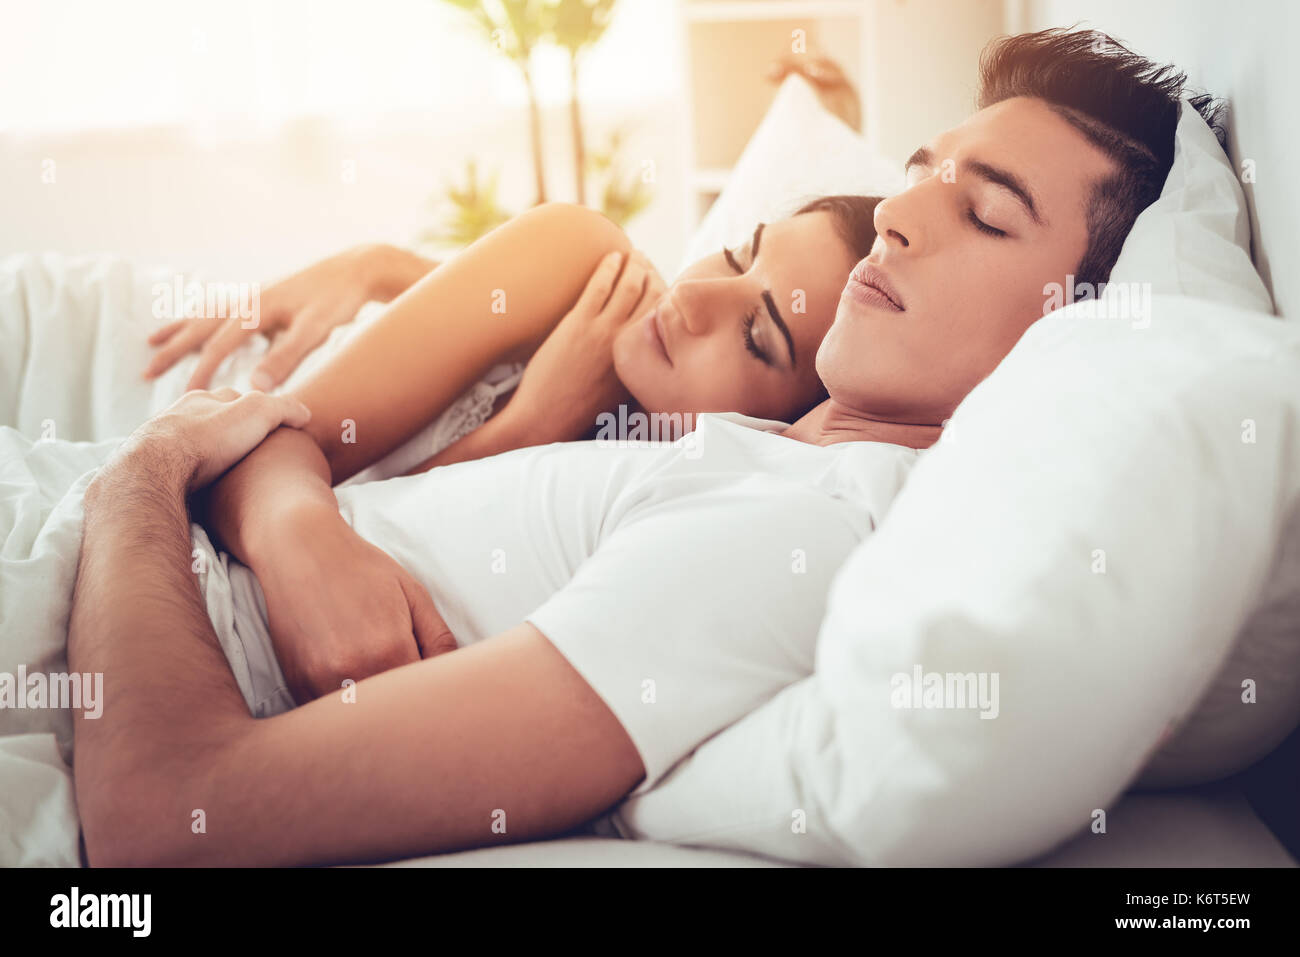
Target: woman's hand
299	312
339	608
571	379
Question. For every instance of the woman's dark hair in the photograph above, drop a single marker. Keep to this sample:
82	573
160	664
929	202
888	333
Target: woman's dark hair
1125	104
855	219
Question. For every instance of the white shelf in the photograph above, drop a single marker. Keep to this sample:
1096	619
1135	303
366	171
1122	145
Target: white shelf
843	29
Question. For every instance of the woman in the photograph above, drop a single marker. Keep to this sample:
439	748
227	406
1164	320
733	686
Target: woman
742	338
738	331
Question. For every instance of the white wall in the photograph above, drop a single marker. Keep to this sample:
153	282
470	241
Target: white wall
248	137
927	67
1243	51
253	209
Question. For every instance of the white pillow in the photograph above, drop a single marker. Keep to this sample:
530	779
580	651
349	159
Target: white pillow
1201	216
1195	239
1094	528
799	152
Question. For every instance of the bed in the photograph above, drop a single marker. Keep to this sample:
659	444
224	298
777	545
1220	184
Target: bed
1147	830
1248	819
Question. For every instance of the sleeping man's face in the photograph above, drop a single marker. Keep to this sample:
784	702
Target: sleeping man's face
995	209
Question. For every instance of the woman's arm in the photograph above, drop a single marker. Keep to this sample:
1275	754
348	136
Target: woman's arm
391	270
321	580
494	302
276	510
337	607
570	379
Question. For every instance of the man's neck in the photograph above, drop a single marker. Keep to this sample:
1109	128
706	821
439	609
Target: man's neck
832	422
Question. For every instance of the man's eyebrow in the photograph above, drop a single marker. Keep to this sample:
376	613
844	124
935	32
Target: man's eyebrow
994	174
1007	180
780	323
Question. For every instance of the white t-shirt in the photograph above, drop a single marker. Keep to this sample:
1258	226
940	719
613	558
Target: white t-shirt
684	581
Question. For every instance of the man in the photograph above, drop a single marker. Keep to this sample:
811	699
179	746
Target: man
527	729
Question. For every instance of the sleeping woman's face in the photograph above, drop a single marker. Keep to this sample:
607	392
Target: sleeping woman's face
739	330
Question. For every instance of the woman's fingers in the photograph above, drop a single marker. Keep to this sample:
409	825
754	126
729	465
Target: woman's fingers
628	292
184	341
651	271
600	285
287	350
160	336
432	635
226	340
641	258
654	286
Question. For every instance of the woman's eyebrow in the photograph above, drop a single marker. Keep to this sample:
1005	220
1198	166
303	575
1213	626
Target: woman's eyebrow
922	157
753	244
780	323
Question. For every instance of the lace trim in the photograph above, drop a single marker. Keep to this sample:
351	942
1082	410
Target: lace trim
474	407
467	413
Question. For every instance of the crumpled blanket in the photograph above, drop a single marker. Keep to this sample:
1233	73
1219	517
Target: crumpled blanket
74	333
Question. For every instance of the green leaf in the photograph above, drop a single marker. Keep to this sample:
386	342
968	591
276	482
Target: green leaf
474	209
578	24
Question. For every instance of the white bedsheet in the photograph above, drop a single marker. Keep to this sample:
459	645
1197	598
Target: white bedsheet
73	340
73	334
40	518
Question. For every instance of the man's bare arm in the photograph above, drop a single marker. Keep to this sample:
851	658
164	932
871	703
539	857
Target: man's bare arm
498	742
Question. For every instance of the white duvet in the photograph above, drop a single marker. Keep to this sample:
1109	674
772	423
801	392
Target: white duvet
73	339
72	344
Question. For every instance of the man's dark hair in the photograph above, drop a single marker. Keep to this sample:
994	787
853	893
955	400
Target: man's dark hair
1125	104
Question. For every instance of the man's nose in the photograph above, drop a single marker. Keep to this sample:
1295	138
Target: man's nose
901	220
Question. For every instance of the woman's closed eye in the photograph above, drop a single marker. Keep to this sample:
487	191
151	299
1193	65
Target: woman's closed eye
754	348
751	317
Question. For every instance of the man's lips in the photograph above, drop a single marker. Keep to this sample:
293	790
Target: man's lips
869	284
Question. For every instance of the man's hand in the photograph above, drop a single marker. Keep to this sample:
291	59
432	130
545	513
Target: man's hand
202	434
337	606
